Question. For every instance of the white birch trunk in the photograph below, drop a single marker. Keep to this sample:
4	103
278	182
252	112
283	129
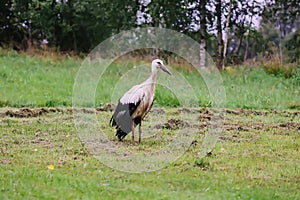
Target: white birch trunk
226	35
202	53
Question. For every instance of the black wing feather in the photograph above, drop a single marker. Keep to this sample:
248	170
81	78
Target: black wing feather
122	118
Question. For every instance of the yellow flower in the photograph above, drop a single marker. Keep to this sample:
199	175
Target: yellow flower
51	167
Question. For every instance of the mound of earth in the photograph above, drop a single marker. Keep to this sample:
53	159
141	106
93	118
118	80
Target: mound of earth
174	124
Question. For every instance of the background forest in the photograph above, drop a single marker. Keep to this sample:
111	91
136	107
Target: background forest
236	30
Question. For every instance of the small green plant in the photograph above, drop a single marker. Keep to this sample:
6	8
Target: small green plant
4	103
164	96
202	163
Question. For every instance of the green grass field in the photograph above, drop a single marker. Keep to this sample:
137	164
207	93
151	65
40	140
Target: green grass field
257	157
42	157
28	81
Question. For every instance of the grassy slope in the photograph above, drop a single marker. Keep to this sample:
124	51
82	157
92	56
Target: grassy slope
257	160
27	81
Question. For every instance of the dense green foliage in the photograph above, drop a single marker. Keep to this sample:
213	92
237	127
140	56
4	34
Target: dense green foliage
67	25
81	25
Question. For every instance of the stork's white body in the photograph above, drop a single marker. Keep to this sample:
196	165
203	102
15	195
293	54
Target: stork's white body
143	93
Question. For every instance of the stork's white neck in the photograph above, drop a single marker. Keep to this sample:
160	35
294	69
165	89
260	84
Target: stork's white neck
152	79
154	74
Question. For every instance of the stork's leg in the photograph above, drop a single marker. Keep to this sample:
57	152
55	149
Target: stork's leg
132	130
140	132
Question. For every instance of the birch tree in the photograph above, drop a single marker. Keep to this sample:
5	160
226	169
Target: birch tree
203	33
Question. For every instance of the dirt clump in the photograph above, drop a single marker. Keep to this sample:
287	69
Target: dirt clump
107	107
206	115
24	112
234	112
257	112
230	127
174	124
290	125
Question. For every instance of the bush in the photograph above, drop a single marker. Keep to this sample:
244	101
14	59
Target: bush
296	75
278	69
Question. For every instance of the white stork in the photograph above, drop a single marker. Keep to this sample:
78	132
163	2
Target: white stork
135	104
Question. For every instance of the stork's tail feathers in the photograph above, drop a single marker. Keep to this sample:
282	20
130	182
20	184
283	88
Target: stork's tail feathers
120	134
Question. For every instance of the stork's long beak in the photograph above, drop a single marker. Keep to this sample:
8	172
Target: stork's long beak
165	69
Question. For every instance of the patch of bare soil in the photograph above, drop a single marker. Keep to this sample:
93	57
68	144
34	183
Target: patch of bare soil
28	112
205	115
174	124
35	112
234	112
233	128
243	127
40	141
107	107
241	111
289	125
236	138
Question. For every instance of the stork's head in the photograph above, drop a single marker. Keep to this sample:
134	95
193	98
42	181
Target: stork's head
158	64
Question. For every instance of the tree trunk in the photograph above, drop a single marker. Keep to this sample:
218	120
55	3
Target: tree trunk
226	35
247	37
74	42
203	36
240	45
247	48
220	34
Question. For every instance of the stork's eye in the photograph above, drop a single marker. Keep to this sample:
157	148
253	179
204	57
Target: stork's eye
158	63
